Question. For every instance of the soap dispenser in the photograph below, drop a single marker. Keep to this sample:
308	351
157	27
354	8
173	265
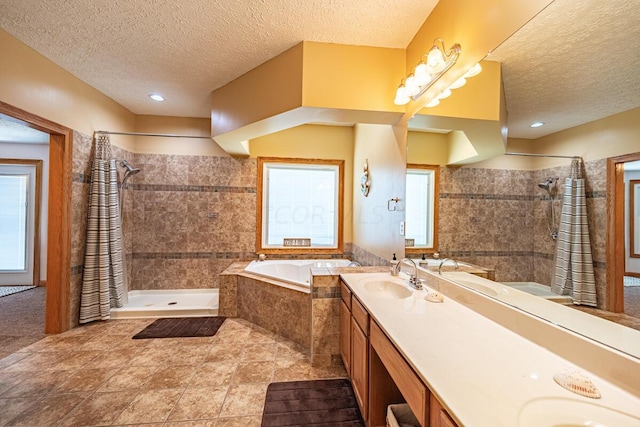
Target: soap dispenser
394	264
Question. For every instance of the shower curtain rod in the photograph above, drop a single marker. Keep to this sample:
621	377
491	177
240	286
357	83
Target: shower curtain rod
542	155
165	135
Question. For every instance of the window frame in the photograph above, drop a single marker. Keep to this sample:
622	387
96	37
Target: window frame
415	250
260	201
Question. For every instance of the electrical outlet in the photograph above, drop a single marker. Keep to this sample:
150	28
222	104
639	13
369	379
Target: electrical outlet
402	228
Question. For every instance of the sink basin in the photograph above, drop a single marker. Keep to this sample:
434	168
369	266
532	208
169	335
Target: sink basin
561	412
387	289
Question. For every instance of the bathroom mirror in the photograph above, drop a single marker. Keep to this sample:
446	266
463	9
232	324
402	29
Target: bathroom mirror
634	218
524	69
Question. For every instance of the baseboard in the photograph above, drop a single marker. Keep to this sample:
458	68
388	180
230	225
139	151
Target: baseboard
42	283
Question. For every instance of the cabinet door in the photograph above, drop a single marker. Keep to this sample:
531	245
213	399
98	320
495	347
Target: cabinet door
359	367
438	416
345	336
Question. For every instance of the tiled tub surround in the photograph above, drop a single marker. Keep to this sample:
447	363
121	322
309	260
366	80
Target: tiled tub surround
498	219
310	319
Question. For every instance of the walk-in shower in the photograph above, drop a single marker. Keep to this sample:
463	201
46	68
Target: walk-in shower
551	187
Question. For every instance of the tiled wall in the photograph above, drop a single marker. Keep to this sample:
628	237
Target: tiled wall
188	218
498	218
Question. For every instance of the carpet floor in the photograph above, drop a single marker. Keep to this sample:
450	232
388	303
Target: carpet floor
10	290
21	320
181	327
322	403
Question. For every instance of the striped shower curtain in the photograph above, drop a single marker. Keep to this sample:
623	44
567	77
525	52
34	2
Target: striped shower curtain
574	265
103	284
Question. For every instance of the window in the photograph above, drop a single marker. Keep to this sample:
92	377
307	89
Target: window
421	212
300	205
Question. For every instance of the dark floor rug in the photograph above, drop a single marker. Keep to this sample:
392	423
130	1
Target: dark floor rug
181	327
321	403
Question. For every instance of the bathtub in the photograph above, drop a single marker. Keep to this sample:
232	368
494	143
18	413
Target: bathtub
294	272
153	304
539	290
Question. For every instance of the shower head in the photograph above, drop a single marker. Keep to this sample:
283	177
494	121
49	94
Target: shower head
129	170
547	184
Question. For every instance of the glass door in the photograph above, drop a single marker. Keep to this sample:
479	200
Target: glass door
17	220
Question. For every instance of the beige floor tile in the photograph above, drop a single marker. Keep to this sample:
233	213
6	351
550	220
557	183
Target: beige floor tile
244	399
223	350
102	342
195	423
292	370
259	352
37	383
10	379
240	422
259	335
11	358
78	359
188	355
48	411
171	377
214	374
129	378
253	372
37	362
199	403
11	408
85	380
99	409
150	406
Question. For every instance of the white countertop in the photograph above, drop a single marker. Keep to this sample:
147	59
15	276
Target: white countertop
482	372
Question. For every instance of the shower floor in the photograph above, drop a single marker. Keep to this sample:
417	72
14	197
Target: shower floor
168	303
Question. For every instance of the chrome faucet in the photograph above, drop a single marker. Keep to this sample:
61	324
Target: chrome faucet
413	278
445	260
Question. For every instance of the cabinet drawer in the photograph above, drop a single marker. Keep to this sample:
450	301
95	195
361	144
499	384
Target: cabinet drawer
360	314
345	293
409	384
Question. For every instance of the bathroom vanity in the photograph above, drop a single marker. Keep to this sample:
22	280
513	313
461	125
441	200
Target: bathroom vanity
454	366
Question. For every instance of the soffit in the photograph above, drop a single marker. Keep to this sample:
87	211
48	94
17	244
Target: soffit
185	50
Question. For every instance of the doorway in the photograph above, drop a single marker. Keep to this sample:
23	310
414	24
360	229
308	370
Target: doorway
20	198
616	253
57	301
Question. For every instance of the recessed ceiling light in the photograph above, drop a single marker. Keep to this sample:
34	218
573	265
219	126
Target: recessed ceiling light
156	97
536	124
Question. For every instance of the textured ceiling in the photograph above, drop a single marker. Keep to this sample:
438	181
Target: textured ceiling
185	49
577	61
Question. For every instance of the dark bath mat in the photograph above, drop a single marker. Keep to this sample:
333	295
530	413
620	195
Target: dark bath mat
179	327
318	403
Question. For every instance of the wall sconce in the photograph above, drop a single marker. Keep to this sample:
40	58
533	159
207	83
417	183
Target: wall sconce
431	67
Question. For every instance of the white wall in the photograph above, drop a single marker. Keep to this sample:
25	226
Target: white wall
632	265
34	152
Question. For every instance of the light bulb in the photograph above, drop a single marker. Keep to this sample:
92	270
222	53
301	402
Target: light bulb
474	71
401	96
445	94
411	86
435	60
434	103
421	75
458	83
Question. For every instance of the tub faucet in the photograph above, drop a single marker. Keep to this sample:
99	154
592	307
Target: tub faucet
413	277
445	260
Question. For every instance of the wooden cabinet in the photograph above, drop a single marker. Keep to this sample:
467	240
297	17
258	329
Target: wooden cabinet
438	416
345	336
360	367
379	373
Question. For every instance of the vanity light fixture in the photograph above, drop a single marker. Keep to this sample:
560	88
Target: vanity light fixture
156	97
431	67
536	124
